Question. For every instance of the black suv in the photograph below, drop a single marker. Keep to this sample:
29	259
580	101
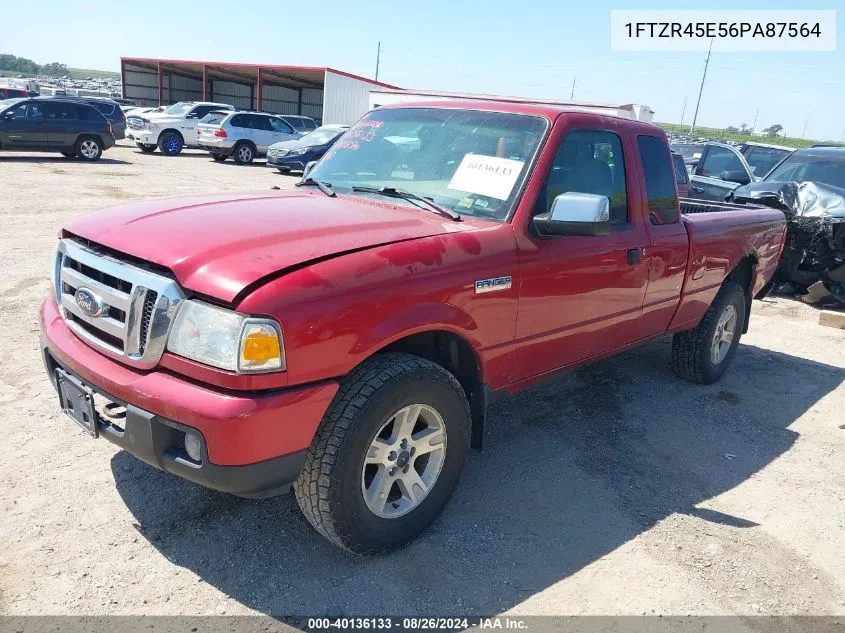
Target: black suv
110	109
47	124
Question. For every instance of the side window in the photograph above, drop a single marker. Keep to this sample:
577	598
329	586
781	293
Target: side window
660	185
717	160
308	124
681	174
589	161
239	120
199	112
295	123
260	122
19	111
280	126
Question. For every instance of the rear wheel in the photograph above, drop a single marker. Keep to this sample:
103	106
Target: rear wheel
88	148
220	158
170	144
704	354
387	455
147	149
244	153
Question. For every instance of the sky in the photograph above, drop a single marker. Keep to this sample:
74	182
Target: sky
530	48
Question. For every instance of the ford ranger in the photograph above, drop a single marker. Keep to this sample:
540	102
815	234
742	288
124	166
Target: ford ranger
345	338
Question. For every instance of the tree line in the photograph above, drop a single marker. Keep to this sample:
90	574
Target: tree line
772	130
26	66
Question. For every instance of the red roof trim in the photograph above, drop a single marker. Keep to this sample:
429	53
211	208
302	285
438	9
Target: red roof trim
323	69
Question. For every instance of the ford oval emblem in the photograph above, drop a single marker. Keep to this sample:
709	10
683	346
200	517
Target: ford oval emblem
88	302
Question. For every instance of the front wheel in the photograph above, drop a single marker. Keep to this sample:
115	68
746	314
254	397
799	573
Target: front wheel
387	455
704	353
170	144
88	148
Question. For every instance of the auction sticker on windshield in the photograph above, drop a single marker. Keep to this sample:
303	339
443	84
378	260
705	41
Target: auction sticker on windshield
486	175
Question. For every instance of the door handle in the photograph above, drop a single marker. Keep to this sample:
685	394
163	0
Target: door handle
635	255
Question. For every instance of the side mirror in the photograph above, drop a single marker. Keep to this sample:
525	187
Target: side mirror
192	115
308	167
8	116
739	177
575	213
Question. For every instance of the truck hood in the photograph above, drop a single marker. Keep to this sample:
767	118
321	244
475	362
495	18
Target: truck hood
218	245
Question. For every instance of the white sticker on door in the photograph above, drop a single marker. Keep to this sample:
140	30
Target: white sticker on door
486	175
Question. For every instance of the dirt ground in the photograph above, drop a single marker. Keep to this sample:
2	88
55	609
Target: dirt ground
615	489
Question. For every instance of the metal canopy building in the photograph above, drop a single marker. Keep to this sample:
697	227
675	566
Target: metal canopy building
325	94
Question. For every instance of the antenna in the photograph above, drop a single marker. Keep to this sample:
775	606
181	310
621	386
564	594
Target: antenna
701	89
572	94
378	59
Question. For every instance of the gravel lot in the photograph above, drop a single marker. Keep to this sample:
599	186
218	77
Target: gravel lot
614	489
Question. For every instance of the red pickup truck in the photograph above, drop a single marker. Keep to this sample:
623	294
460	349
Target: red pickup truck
346	337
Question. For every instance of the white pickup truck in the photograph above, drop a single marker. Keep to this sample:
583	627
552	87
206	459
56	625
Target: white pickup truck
172	129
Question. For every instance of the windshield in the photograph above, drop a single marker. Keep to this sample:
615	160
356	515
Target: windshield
179	108
828	170
470	161
5	103
762	159
320	137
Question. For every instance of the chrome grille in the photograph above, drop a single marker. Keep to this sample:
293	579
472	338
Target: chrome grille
135	122
135	307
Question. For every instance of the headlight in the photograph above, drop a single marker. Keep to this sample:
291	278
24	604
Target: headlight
225	339
300	151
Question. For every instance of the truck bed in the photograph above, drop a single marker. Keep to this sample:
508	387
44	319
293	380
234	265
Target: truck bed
694	205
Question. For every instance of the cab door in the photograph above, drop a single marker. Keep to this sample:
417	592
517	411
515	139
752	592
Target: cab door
22	127
582	296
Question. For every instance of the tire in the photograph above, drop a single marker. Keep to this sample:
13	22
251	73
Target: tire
244	153
147	149
219	158
693	355
170	144
69	154
331	487
88	148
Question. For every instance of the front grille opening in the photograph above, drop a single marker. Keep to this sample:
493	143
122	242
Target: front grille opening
146	317
105	337
99	275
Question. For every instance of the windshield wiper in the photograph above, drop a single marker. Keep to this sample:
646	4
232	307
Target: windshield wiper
325	187
393	192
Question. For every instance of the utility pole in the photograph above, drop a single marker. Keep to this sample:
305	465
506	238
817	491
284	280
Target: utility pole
572	94
378	59
701	88
804	131
754	125
683	109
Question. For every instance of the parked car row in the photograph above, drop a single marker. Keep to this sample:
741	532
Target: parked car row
68	125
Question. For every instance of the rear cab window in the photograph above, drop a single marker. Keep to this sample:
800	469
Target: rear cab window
661	190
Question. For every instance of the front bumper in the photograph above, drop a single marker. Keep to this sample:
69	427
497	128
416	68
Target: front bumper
287	162
143	137
253	445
